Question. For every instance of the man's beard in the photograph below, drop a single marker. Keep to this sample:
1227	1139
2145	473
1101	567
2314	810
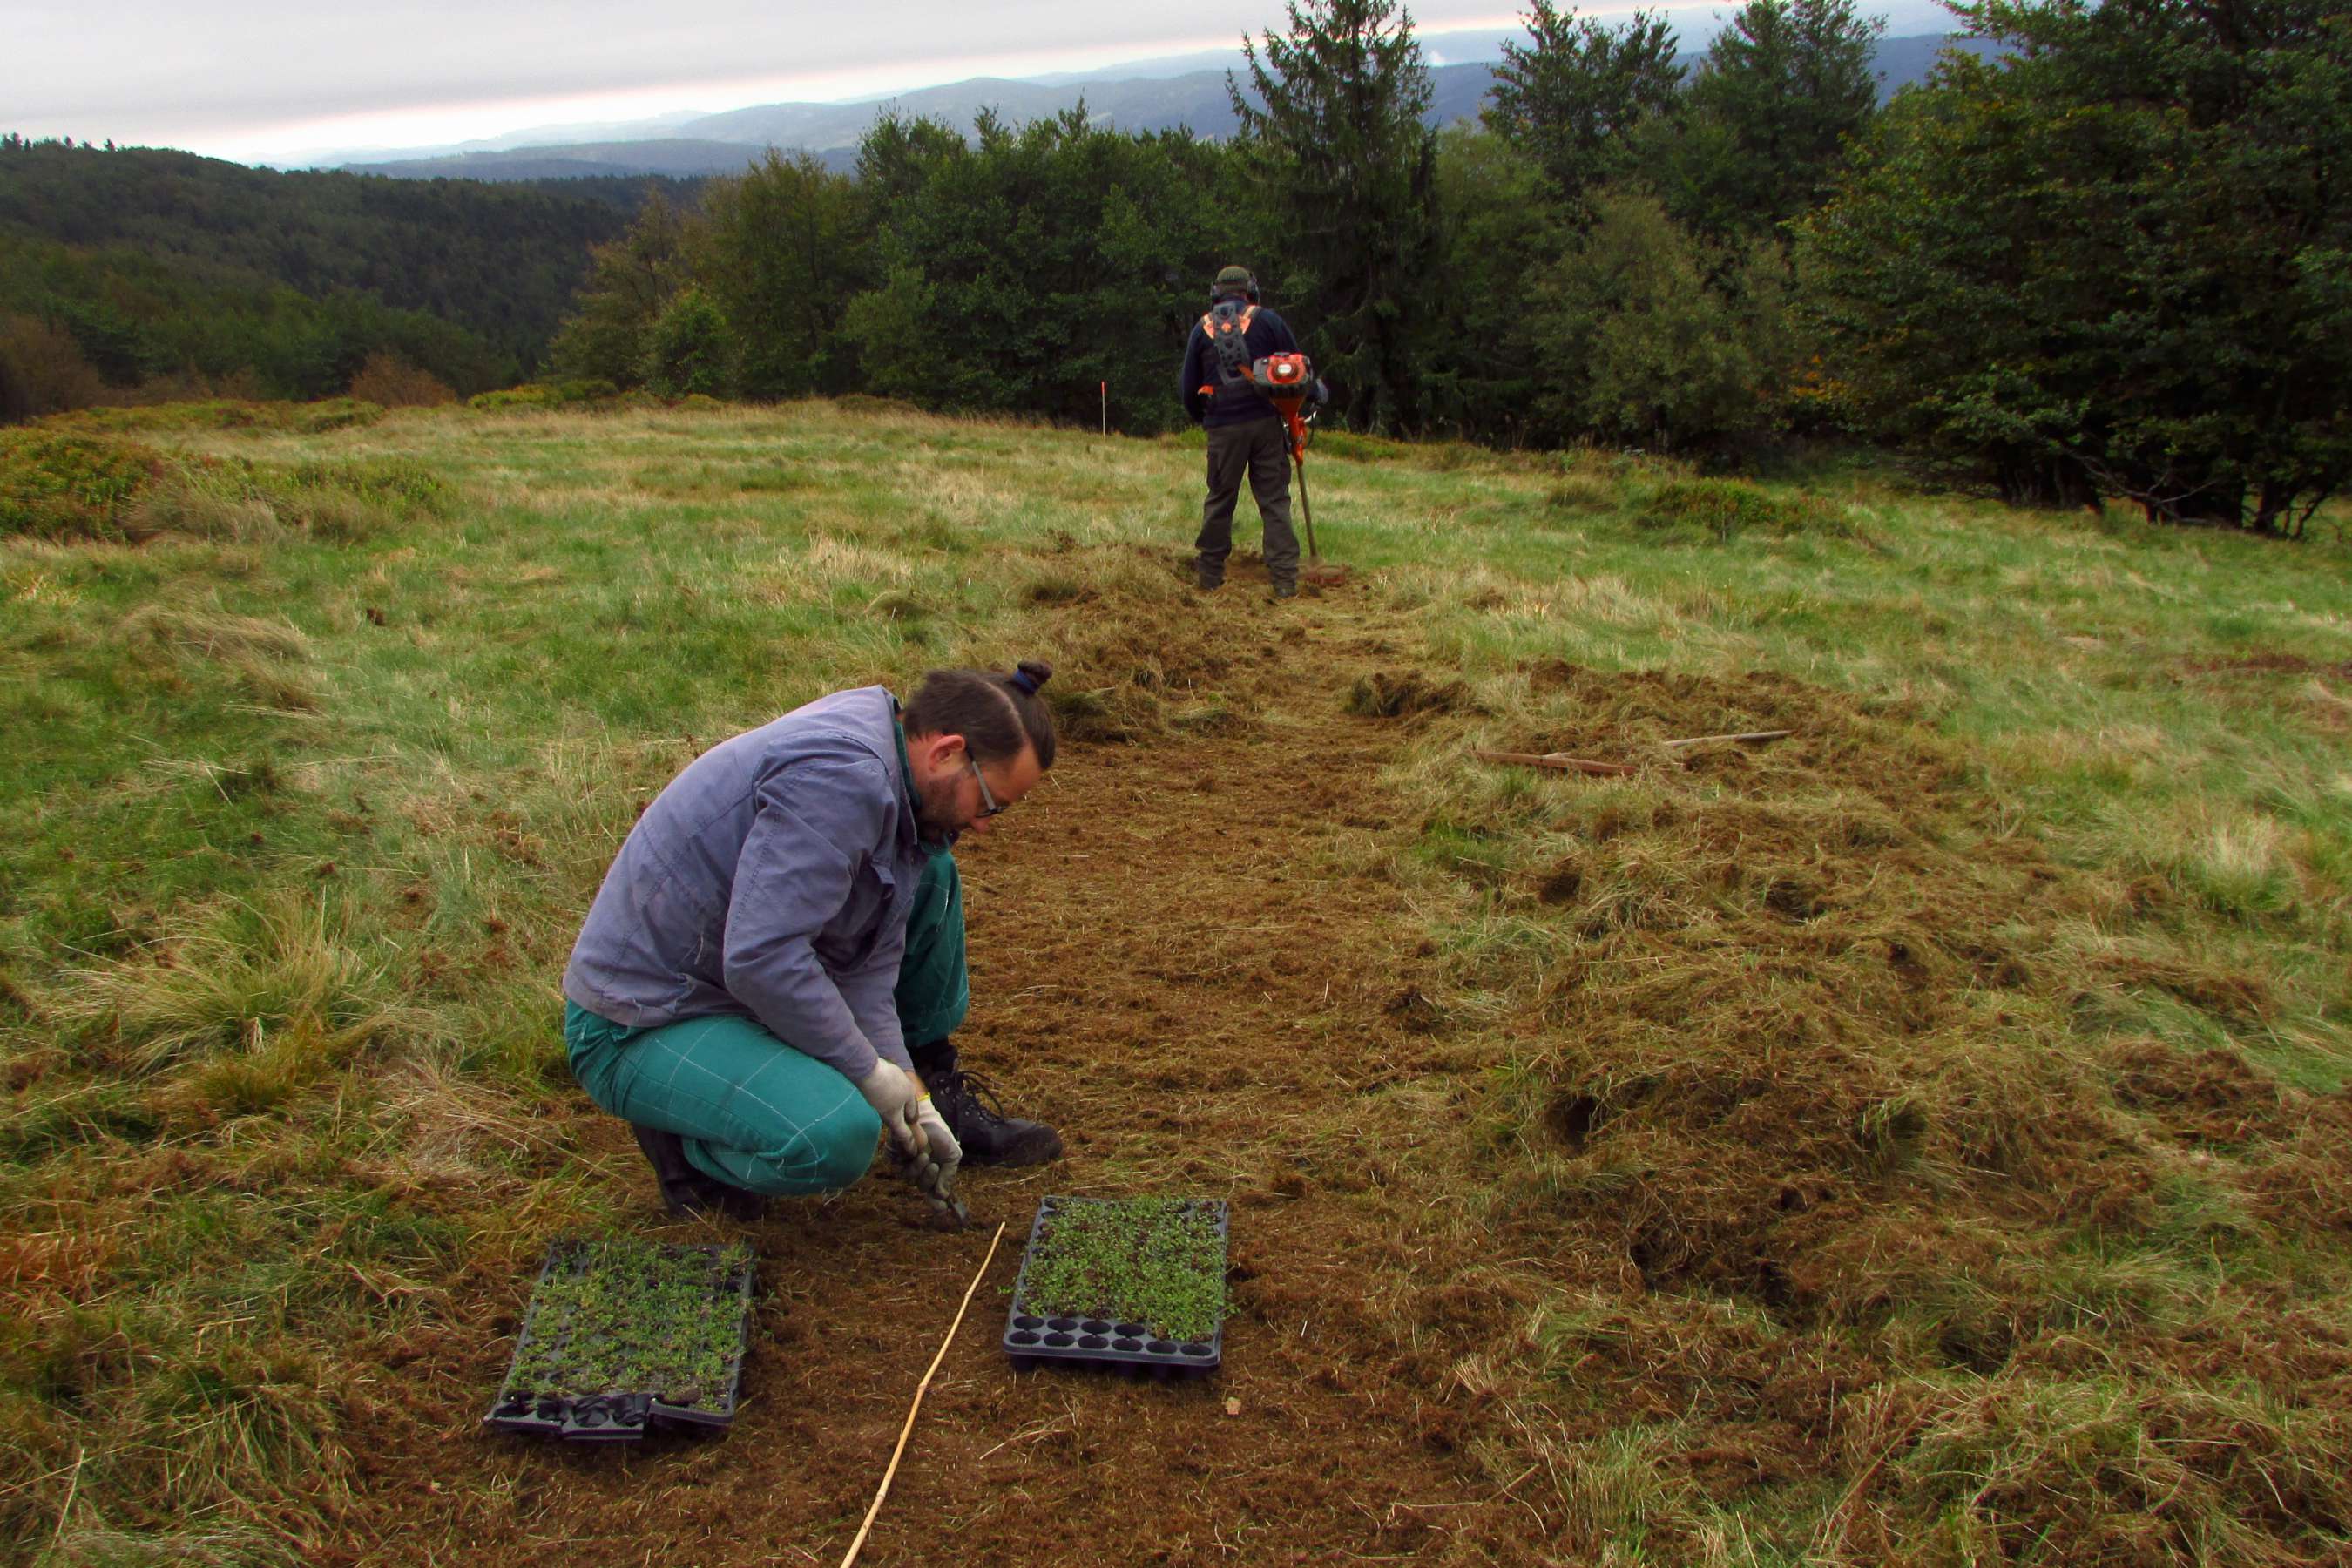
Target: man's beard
936	813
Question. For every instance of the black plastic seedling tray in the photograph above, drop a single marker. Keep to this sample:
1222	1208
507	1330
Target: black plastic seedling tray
557	1332
1035	1338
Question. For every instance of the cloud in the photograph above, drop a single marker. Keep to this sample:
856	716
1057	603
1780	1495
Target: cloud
278	74
142	63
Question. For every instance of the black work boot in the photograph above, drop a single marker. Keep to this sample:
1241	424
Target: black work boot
1207	578
687	1192
973	1114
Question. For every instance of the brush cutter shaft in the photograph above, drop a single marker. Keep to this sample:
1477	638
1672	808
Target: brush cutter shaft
1305	511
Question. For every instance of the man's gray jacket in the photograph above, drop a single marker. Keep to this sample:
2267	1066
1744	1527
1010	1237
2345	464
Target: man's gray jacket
772	877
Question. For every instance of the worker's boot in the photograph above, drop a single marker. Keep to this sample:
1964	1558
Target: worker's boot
1208	578
687	1192
973	1114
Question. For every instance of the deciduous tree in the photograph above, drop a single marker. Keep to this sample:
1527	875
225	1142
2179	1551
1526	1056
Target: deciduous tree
629	280
783	258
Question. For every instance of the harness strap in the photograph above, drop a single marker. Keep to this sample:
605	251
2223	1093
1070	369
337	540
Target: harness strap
1209	319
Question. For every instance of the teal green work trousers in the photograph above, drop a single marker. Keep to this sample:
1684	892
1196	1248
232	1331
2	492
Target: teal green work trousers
755	1112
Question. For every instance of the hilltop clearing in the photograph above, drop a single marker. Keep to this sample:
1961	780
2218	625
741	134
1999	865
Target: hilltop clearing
1918	1139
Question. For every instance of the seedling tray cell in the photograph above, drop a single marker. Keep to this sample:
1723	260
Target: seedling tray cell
1114	1335
624	1336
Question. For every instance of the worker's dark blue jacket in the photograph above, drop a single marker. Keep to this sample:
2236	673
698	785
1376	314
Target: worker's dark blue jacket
1238	404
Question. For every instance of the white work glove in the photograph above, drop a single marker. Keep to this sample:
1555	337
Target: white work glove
893	1091
932	1169
919	1139
938	1144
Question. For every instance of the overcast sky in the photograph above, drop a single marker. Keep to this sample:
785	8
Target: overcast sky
279	76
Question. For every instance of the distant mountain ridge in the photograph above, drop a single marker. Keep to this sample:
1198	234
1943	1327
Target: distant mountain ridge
724	143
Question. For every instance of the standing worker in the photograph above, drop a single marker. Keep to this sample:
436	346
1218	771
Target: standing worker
1247	434
784	922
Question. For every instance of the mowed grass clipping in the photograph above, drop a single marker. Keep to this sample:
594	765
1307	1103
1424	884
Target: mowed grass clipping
1922	1139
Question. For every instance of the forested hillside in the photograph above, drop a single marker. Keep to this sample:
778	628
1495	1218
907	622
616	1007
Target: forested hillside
157	263
2091	255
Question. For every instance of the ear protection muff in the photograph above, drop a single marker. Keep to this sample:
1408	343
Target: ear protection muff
1249	291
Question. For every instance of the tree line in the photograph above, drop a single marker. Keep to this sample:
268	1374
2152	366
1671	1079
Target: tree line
2112	258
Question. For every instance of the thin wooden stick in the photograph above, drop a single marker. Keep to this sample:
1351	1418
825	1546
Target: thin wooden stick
1559	760
1751	735
908	1430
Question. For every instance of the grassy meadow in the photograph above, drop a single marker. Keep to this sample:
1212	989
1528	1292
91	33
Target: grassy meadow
1924	1140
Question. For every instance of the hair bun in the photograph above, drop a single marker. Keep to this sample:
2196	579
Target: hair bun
1032	673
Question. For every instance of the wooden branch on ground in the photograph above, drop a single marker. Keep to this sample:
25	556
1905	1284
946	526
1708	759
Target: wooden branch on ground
1567	765
1559	760
1751	735
904	1432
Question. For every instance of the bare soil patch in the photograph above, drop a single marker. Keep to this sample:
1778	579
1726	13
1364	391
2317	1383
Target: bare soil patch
1160	969
1803	1132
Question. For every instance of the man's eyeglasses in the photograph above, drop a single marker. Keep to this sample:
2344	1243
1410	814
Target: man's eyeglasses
989	805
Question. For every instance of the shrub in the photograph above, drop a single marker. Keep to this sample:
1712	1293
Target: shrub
392	381
42	371
333	414
225	414
1724	508
58	486
546	395
63	485
207	414
1656	340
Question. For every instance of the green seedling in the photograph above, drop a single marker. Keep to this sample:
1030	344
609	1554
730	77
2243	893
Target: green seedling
1155	1261
620	1316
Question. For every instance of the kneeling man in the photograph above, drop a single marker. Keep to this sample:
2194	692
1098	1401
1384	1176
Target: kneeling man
783	924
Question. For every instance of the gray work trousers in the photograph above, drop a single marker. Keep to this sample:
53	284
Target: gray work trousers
1261	449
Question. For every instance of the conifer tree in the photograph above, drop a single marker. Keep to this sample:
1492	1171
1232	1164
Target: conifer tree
1781	89
1571	97
1343	173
